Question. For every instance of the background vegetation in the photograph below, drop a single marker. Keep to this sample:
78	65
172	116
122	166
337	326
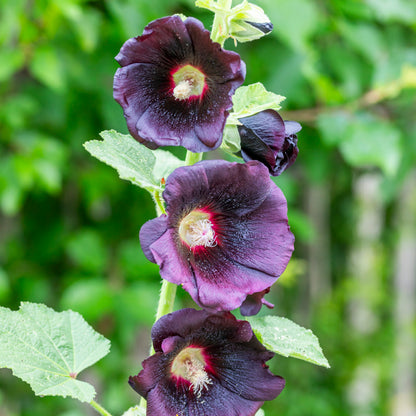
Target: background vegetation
69	227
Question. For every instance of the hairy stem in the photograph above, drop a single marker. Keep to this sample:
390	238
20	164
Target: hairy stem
99	408
219	32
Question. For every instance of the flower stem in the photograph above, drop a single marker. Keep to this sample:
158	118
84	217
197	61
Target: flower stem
167	299
192	158
219	32
168	290
99	408
159	205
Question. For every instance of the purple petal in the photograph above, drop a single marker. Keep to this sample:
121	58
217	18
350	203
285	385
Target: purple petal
150	232
234	362
151	374
218	401
267	138
172	324
292	127
253	303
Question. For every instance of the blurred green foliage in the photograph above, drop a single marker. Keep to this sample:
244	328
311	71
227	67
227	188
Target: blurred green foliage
69	227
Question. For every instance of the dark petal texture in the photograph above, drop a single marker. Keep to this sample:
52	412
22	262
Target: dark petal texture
240	381
143	85
269	139
253	303
253	243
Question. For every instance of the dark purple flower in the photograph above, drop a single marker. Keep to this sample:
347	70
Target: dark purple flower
205	365
269	139
225	235
175	85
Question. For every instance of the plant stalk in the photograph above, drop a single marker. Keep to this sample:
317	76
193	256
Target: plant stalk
99	408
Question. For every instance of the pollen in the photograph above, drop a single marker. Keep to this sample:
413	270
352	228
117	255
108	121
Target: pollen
190	365
188	81
183	90
196	229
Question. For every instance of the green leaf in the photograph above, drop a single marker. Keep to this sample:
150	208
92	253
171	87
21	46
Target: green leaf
165	164
135	411
252	99
48	349
134	161
286	338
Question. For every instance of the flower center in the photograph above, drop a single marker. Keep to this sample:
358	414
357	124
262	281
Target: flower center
189	81
190	364
196	230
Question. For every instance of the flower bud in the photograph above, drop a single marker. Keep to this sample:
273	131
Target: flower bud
249	22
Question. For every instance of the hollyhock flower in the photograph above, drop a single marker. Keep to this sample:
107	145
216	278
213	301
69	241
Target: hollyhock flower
267	138
175	85
206	365
225	234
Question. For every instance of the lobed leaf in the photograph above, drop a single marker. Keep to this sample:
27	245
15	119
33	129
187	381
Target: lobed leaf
48	349
132	160
286	338
135	411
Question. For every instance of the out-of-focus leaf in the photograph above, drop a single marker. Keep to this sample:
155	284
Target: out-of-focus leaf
363	139
365	39
11	60
48	349
286	338
394	10
4	285
87	250
11	191
92	298
294	20
86	23
47	67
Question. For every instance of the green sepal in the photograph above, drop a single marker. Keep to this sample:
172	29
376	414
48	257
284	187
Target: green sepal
243	23
248	22
231	142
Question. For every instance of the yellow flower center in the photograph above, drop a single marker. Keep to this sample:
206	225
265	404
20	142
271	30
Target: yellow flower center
190	364
189	81
196	230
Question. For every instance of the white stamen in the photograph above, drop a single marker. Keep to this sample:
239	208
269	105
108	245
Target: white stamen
190	364
196	229
196	374
183	90
201	233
